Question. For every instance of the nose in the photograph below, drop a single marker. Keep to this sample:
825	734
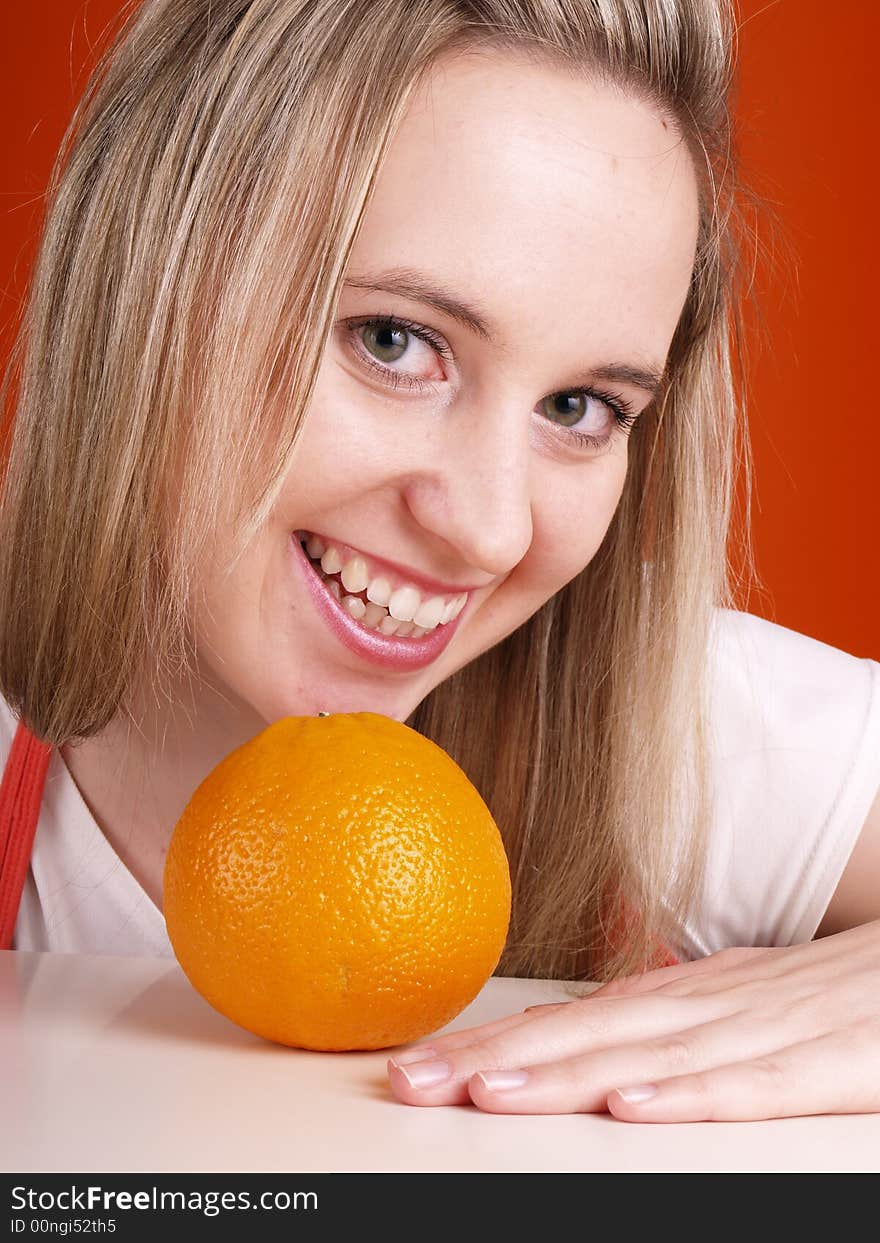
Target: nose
474	486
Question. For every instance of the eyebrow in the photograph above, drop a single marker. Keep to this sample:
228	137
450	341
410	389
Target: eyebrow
409	283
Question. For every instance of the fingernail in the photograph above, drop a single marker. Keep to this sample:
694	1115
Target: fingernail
423	1074
413	1055
502	1080
642	1092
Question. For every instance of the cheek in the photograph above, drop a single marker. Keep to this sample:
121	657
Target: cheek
345	448
227	605
246	628
573	517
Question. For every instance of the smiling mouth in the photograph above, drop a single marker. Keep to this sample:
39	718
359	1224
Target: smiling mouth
374	599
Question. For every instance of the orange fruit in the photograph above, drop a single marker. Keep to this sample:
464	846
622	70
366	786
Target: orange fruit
337	882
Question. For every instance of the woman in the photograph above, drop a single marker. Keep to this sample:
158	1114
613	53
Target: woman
439	295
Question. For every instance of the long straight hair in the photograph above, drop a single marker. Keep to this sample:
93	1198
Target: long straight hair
199	221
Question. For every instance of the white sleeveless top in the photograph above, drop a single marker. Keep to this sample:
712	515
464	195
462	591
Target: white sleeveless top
795	728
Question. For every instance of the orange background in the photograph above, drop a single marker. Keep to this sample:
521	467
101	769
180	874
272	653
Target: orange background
807	124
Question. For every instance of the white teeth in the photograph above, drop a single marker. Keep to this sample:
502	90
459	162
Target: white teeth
331	562
379	591
403	604
356	607
430	612
403	611
315	547
354	575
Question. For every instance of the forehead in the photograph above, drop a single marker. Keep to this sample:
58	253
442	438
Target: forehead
539	193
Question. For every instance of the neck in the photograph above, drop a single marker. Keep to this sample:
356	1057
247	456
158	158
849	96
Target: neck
138	774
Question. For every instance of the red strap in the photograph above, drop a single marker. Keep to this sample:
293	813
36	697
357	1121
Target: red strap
21	793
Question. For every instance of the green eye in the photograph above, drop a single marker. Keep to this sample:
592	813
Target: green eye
565	408
384	341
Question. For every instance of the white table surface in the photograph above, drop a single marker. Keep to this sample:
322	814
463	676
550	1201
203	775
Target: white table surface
118	1065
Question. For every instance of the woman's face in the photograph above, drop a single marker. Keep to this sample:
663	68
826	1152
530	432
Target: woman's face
534	235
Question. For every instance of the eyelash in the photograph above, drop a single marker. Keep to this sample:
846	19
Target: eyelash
623	411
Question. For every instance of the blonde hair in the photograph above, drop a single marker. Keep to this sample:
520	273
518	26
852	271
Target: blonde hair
199	221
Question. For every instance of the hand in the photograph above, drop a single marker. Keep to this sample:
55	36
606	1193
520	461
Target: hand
744	1034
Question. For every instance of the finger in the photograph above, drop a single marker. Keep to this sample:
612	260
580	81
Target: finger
458	1039
763	968
831	1074
584	990
582	1083
471	1035
558	1033
724	961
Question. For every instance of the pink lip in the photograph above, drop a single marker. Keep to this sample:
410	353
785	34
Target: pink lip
380	649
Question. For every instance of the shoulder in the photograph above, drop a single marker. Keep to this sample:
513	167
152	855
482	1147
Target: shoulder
762	641
794	738
769	679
